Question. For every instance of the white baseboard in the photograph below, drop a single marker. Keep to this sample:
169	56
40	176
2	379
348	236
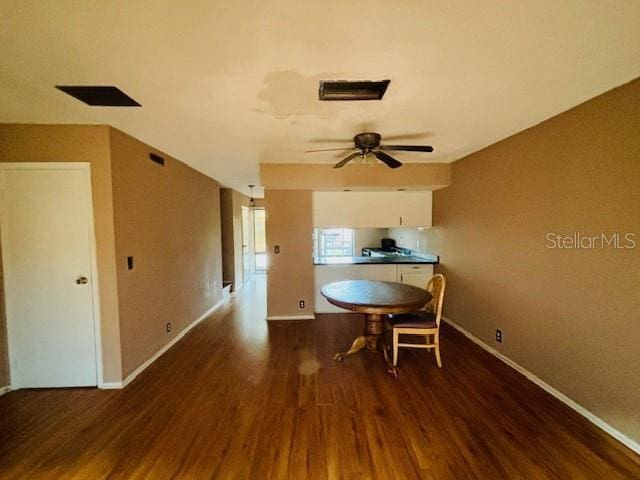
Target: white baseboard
110	385
158	354
291	317
597	421
4	390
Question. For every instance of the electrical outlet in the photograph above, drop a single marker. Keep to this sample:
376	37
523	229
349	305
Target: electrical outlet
301	304
499	336
168	327
276	249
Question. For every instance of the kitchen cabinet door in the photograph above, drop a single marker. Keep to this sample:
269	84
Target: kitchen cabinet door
414	208
416	275
371	209
416	279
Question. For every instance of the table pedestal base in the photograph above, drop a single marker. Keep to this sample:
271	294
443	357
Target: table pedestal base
372	340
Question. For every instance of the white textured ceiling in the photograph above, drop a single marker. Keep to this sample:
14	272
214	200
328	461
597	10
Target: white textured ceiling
227	85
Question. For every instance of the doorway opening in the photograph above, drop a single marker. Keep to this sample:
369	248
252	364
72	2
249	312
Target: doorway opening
260	240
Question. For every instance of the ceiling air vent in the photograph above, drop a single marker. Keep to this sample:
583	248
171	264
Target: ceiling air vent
99	96
352	90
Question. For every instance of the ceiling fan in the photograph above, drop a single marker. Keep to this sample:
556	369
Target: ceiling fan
369	143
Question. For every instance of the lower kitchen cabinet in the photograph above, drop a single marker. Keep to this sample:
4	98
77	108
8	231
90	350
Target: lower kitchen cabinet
416	275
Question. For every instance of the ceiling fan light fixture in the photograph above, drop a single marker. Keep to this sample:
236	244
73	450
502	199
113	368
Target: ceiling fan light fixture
369	159
252	201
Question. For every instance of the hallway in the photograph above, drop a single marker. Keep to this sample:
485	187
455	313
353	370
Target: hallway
242	398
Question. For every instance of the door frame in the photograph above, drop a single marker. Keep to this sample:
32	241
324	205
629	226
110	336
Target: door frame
246	250
93	264
255	252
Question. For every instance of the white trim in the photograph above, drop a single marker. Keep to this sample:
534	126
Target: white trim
97	319
4	390
159	353
291	317
597	421
93	274
110	385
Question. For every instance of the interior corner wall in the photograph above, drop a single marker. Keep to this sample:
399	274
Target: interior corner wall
168	219
76	143
289	225
571	316
368	237
228	235
232	240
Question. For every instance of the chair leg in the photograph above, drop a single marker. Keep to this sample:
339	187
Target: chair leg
436	339
396	339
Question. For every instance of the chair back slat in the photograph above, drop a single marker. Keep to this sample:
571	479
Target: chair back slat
435	287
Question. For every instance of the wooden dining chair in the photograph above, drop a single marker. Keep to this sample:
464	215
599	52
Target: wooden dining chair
424	322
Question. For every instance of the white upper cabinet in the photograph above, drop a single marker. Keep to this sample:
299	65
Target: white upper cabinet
372	209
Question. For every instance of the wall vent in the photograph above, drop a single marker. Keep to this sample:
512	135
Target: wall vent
99	96
341	90
157	159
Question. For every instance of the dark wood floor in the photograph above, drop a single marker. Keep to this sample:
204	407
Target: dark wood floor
238	398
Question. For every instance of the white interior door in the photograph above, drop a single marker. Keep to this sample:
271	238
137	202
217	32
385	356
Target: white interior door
47	240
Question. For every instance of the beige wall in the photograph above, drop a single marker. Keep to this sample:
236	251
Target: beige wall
323	177
168	219
74	143
412	238
368	237
572	317
290	273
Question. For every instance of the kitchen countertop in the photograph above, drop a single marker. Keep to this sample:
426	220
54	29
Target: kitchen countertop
410	259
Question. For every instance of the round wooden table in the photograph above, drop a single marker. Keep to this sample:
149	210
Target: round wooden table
376	300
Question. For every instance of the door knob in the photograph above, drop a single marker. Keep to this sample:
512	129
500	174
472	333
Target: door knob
82	280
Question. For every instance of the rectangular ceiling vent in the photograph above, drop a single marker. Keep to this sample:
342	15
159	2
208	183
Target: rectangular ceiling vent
99	96
352	90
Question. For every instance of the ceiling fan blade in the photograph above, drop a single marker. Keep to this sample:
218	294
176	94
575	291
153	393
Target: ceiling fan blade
344	161
407	148
329	149
331	140
388	160
407	136
370	128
